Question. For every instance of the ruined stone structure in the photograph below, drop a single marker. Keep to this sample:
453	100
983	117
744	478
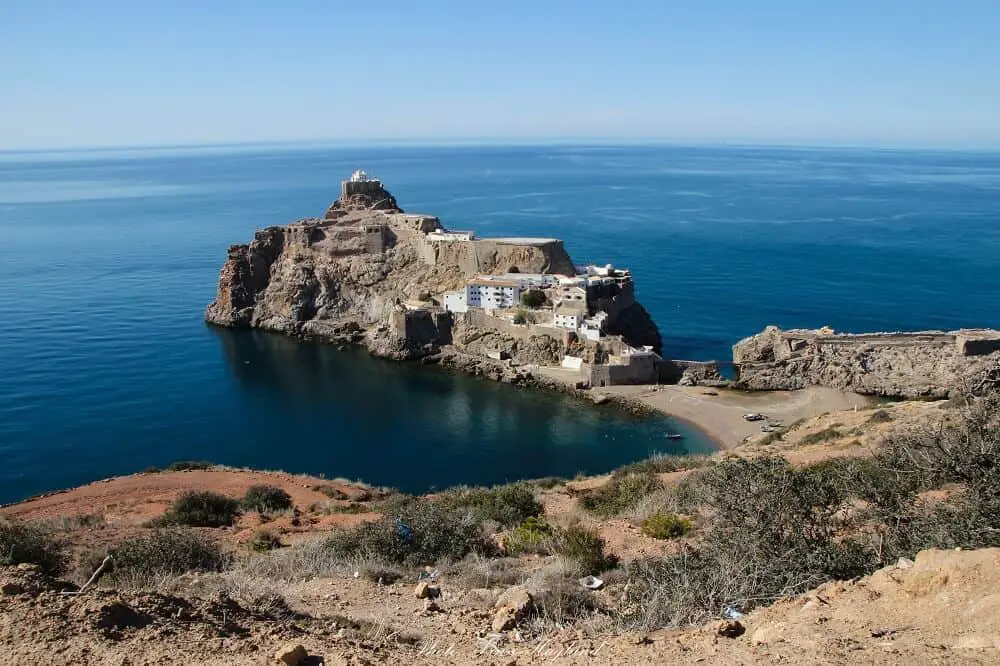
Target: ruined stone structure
931	364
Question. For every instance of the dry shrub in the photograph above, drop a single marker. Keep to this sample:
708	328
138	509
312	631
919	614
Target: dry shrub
31	543
201	509
263	540
419	532
508	505
264	498
621	493
476	571
143	562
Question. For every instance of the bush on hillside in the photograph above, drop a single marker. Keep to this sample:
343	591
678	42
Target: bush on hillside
534	535
585	548
666	526
189	465
419	532
201	509
27	543
143	561
264	498
620	493
263	541
508	505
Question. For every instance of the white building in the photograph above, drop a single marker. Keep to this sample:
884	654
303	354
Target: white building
442	236
568	318
456	301
492	294
524	280
592	328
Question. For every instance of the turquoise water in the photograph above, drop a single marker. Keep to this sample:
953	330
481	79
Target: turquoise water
107	260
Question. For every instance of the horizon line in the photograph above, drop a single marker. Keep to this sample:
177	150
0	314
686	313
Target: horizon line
514	142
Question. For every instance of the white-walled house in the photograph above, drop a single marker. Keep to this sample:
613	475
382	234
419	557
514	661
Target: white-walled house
568	318
592	328
492	294
456	301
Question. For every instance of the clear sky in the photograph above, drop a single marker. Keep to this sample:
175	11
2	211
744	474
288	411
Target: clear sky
139	72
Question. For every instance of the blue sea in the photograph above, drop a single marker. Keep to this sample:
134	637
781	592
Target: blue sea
108	259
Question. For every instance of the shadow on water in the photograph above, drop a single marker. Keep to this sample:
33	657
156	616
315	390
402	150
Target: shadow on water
343	413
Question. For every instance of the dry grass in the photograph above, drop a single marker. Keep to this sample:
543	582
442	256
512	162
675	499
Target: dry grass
476	571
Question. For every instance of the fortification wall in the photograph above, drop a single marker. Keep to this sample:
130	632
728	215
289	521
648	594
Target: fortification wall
492	257
643	371
480	319
933	364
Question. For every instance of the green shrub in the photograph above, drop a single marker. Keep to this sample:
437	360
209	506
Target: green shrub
419	532
263	541
140	561
620	493
533	298
508	505
585	548
666	526
534	535
520	317
189	465
264	498
201	509
27	543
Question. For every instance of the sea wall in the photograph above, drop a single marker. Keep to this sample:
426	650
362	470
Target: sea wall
925	364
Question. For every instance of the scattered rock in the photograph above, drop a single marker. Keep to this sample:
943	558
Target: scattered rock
729	628
292	654
774	633
512	606
424	590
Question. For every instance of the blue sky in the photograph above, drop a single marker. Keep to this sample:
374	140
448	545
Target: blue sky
137	72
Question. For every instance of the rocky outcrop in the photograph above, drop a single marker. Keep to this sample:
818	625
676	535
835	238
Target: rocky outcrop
354	275
931	364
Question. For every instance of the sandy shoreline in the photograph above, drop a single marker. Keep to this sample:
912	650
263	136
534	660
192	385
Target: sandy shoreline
719	412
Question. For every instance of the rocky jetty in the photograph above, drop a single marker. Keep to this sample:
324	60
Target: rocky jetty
930	364
368	273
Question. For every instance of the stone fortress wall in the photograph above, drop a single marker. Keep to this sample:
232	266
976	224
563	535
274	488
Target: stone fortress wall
932	364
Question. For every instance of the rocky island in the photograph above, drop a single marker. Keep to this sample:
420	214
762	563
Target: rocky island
520	310
405	287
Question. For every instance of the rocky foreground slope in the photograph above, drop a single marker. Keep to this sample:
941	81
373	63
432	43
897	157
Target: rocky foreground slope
348	278
941	608
931	364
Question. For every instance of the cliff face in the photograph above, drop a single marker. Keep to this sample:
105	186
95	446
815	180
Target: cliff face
898	365
346	277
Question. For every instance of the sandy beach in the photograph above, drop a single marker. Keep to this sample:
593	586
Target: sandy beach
719	412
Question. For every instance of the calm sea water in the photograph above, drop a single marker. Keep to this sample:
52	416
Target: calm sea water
107	260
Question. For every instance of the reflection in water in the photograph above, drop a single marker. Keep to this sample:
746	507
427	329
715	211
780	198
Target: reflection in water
344	413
